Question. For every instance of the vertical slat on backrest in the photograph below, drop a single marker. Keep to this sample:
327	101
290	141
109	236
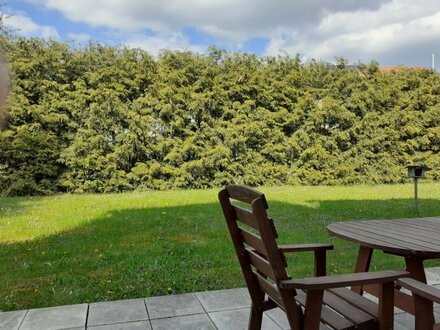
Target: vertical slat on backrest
237	240
264	254
268	236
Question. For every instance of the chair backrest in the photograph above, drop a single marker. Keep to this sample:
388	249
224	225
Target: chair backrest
254	237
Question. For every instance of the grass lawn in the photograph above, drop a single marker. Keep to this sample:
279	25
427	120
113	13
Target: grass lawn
71	249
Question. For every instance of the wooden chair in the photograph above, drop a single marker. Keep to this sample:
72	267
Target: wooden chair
424	297
309	301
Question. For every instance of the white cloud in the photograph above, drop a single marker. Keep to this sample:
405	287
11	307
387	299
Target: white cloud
230	20
401	29
392	31
23	25
78	37
155	44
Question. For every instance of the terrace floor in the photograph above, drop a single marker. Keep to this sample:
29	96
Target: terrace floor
223	309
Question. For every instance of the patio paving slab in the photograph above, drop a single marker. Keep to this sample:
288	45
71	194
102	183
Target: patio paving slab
279	317
238	319
173	305
187	322
433	275
143	325
12	320
403	321
435	270
221	309
120	311
55	318
220	300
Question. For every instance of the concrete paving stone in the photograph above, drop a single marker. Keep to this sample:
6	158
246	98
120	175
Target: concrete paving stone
437	314
220	300
120	311
173	305
398	326
142	325
187	322
403	321
434	270
11	320
279	317
228	309
60	317
432	275
238	319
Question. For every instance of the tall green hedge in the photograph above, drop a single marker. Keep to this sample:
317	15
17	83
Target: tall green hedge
106	119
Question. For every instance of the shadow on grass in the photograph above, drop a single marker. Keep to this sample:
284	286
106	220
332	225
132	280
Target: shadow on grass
134	253
12	205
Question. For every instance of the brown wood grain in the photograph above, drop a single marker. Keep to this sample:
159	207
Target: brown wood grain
398	236
413	239
264	265
338	281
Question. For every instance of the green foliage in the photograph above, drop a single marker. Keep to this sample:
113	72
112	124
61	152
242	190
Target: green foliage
111	119
4	74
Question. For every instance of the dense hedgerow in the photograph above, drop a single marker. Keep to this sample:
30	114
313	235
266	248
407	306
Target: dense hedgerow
105	119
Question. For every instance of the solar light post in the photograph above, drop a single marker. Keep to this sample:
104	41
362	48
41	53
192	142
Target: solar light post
417	172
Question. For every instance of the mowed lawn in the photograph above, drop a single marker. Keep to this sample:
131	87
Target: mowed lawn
69	249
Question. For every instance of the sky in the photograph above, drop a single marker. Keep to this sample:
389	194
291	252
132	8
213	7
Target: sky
392	32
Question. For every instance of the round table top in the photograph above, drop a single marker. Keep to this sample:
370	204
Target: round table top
418	236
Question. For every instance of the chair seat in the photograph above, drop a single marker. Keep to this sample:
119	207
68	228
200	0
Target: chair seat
345	309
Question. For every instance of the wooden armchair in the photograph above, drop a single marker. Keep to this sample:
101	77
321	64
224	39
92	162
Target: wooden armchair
306	302
424	297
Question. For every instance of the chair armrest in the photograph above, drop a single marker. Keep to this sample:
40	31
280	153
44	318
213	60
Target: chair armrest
319	250
304	247
421	289
338	281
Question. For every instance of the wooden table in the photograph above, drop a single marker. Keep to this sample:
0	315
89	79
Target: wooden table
415	240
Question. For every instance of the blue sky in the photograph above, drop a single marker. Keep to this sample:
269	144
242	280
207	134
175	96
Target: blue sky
392	32
76	31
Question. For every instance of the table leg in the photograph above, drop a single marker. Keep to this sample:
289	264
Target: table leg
414	265
362	264
402	300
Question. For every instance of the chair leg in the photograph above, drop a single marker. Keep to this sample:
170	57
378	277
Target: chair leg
255	318
386	306
312	313
293	311
424	318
